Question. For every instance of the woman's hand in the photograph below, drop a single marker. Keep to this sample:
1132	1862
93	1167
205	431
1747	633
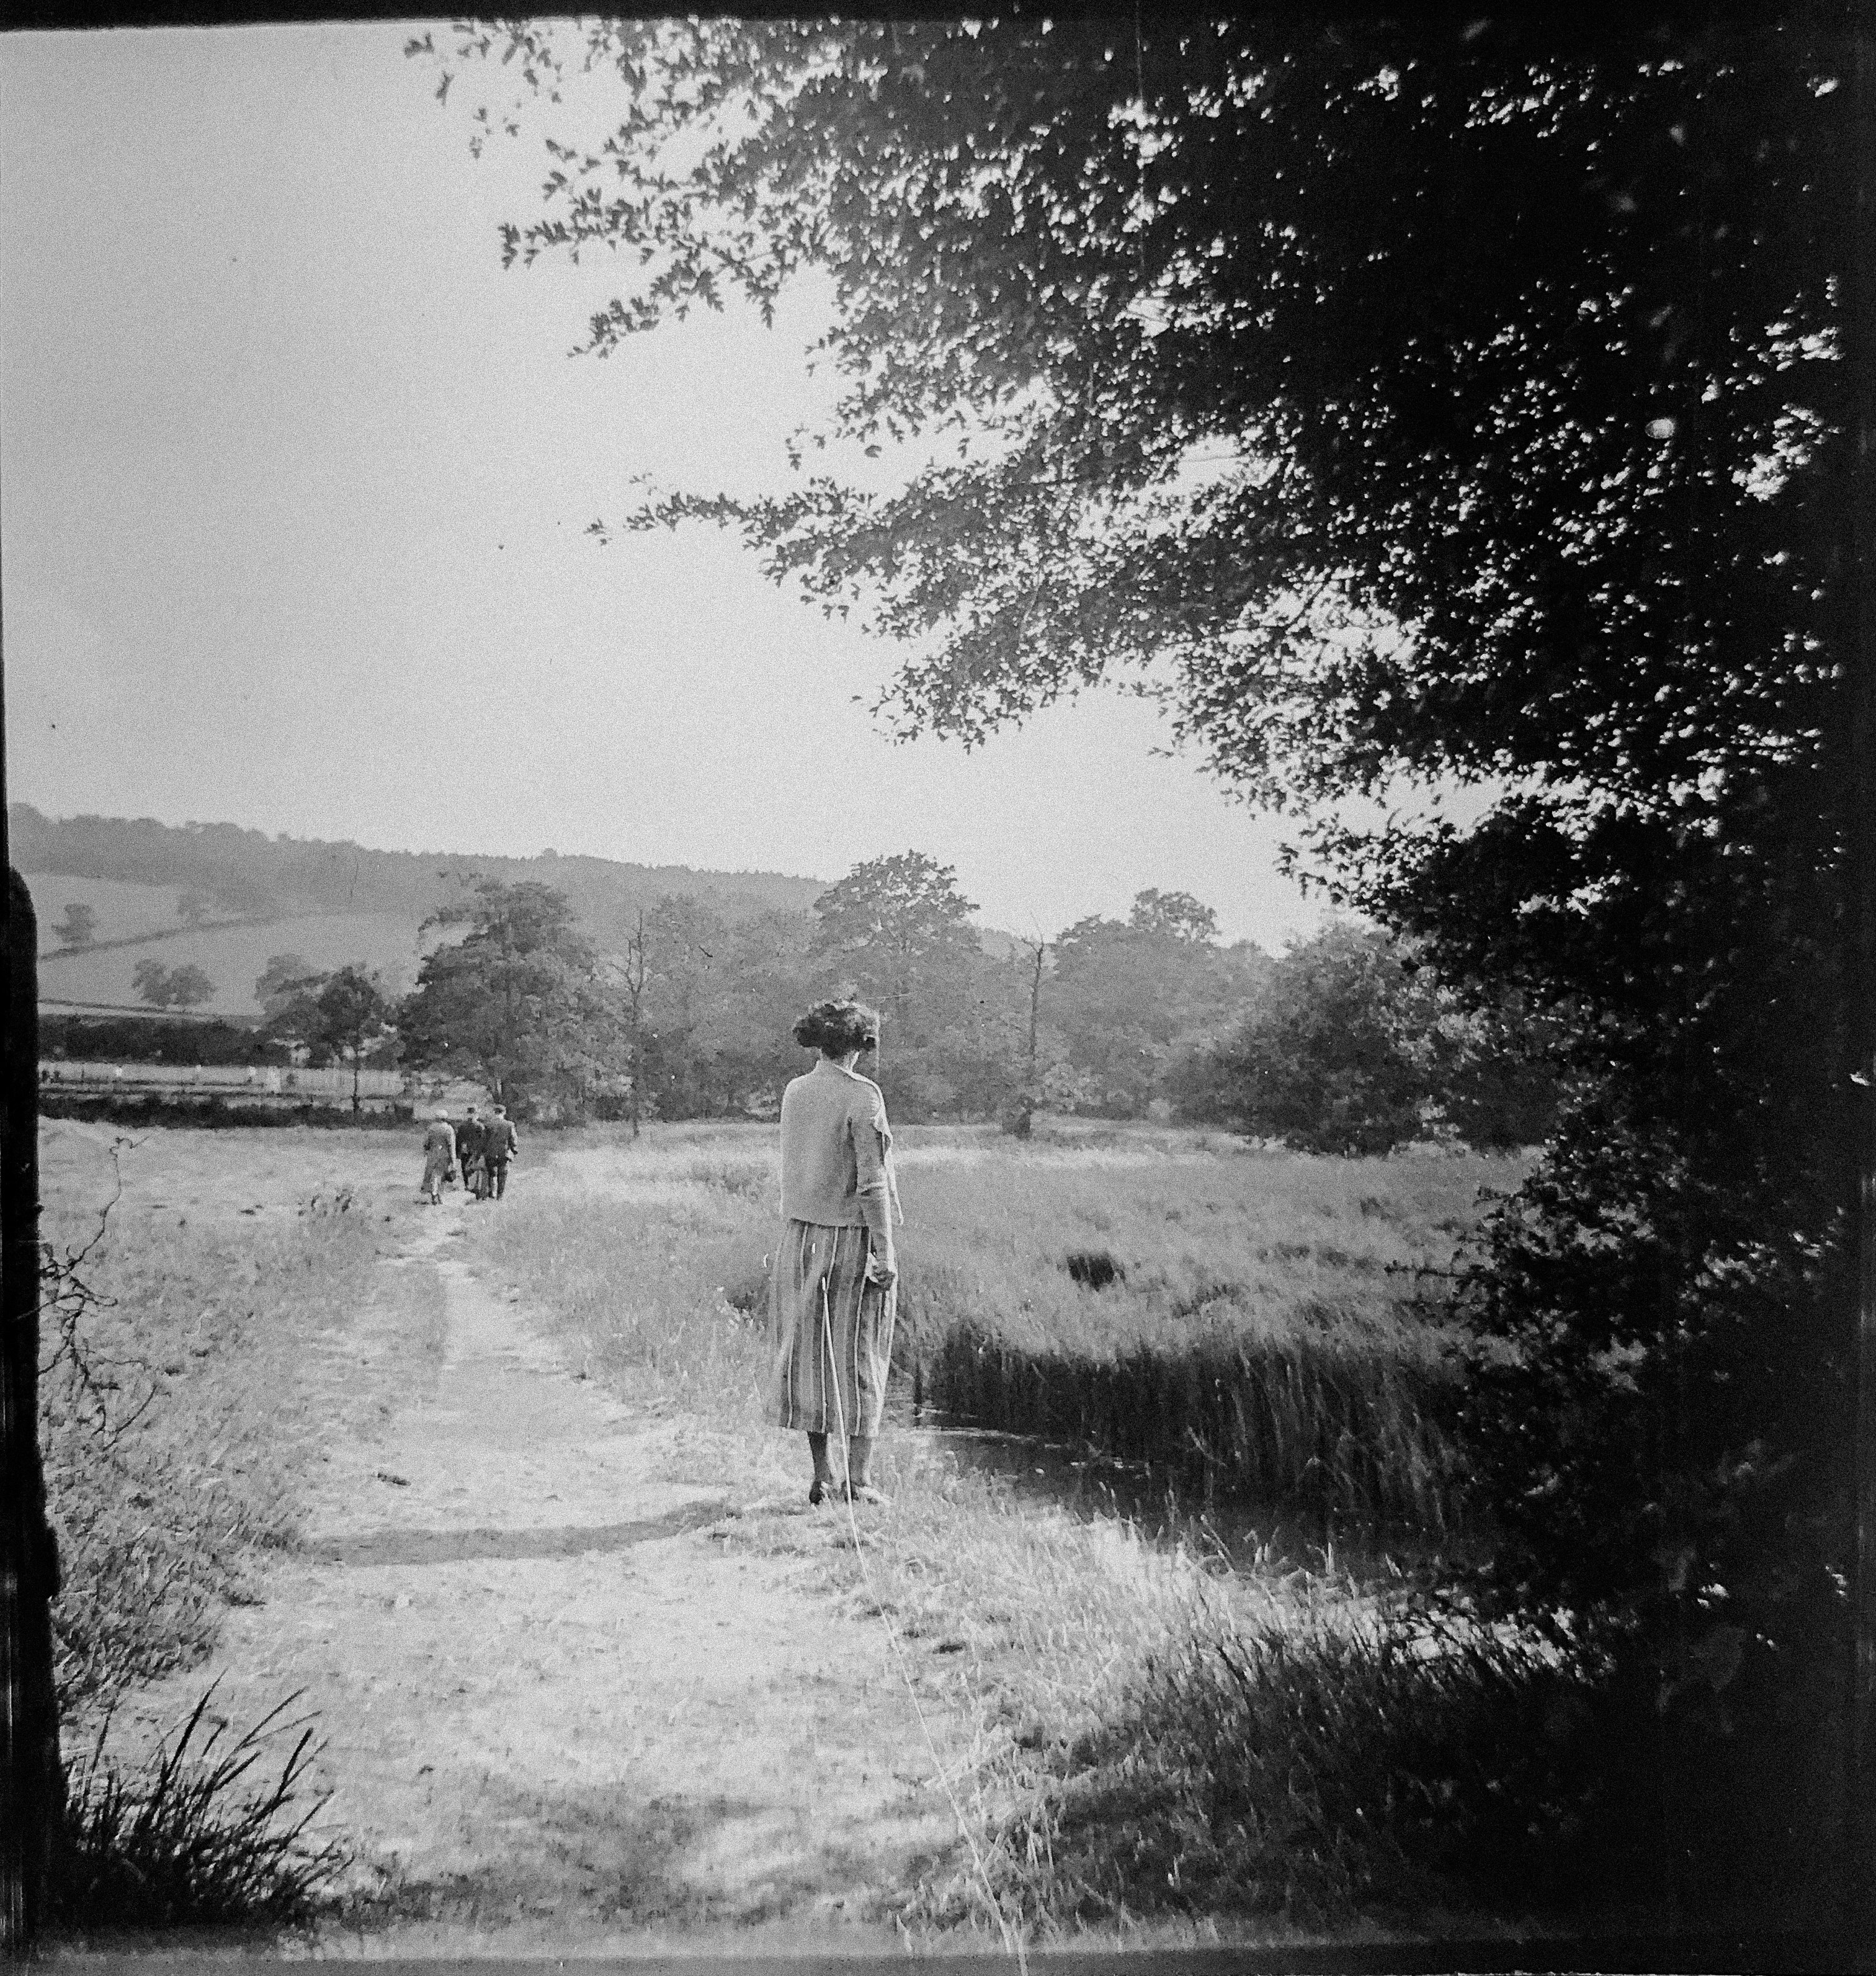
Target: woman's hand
882	1269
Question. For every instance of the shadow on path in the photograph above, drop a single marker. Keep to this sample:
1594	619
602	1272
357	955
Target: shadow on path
421	1547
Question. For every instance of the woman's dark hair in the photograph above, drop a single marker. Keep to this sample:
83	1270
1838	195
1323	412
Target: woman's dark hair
834	1028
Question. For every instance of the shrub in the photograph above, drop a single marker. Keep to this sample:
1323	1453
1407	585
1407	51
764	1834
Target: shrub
1094	1268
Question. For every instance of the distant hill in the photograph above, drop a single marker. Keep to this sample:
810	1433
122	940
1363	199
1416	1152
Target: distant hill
256	896
248	874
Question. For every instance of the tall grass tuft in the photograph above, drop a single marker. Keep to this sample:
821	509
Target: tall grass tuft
1406	1765
1304	1775
185	1839
1327	1426
1253	1325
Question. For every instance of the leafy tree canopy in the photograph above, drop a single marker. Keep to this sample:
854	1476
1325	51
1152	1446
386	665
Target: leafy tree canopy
354	1015
899	922
521	1001
1173	916
286	988
351	1020
1350	1046
1128	996
1370	389
1334	1058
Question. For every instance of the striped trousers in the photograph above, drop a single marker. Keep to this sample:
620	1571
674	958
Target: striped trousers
830	1331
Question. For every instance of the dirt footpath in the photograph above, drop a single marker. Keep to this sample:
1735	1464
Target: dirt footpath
555	1702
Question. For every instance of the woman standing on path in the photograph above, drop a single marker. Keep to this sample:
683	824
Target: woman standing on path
832	1294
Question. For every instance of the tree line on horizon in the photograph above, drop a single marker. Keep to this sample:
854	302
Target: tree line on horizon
1343	1044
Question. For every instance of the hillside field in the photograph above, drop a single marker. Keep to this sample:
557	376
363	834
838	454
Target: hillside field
232	956
125	910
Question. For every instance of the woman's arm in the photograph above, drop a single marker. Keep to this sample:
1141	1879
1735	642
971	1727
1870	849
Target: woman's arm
870	1139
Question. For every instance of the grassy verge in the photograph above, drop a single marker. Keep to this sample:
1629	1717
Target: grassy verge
171	1436
167	1473
191	1286
659	1280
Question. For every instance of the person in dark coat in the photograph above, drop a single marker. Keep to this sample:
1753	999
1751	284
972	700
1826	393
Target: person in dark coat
469	1152
499	1144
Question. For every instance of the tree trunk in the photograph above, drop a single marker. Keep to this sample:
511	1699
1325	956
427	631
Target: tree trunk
638	1070
1861	323
636	974
31	1781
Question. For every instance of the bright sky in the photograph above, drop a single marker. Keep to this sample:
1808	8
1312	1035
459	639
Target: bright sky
293	480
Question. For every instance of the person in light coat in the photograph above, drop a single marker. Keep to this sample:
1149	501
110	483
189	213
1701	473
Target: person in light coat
833	1291
440	1155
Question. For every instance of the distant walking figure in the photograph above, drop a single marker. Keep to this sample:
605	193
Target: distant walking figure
440	1155
499	1145
833	1293
468	1151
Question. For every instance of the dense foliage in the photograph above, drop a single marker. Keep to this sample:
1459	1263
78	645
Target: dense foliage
518	1001
150	1039
184	987
1350	1046
1132	1001
1404	403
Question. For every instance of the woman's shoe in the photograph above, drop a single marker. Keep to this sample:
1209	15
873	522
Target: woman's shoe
820	1491
864	1492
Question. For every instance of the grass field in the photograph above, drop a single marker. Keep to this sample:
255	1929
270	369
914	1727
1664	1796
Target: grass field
1256	1325
124	910
1253	1324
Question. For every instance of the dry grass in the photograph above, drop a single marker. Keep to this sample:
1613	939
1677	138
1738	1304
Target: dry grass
657	1280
